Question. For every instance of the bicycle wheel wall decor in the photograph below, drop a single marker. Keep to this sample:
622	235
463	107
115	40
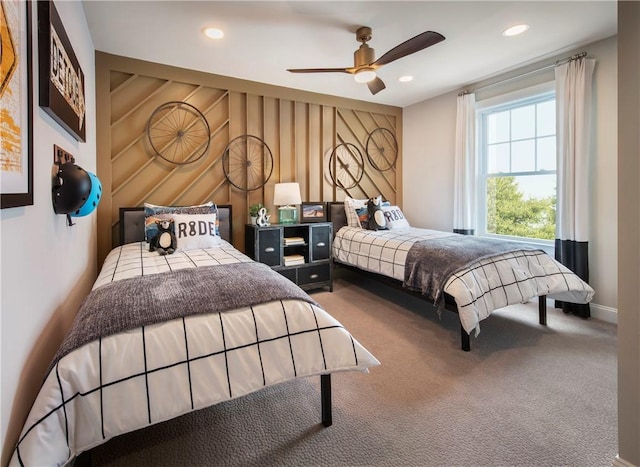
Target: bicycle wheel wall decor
247	162
178	133
382	149
346	166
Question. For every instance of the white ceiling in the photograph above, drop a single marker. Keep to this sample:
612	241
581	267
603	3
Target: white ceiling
264	38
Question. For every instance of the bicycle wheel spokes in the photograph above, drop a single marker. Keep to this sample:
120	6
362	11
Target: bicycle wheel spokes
178	133
346	166
382	149
247	162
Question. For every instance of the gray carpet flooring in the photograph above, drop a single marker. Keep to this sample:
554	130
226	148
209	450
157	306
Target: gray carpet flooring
525	395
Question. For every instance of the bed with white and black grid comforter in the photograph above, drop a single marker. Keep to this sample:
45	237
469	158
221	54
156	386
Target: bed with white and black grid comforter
479	289
121	382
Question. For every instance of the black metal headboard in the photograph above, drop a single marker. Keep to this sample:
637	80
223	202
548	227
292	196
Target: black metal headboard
132	224
337	215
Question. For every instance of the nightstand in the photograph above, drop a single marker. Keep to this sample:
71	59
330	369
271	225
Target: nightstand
300	252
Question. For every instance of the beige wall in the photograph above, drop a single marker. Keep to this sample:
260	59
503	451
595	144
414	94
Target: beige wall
429	138
47	268
629	233
301	130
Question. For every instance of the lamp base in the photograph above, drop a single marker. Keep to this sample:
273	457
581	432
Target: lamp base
287	215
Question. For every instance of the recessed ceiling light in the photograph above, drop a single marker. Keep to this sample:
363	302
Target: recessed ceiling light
405	79
515	30
213	33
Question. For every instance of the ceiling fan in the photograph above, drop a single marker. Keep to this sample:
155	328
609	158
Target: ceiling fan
364	62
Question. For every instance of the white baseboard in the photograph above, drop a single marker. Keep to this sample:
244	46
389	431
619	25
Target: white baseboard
618	462
601	312
604	313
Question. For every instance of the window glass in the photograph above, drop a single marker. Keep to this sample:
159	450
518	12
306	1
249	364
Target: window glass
517	169
523	122
523	156
547	153
498	160
546	118
498	127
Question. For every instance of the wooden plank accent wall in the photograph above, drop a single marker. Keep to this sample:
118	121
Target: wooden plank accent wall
300	128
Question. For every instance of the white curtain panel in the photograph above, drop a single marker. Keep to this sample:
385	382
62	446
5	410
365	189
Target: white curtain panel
573	108
465	165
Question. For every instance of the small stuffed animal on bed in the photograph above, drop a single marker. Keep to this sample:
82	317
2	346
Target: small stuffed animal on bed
376	218
165	240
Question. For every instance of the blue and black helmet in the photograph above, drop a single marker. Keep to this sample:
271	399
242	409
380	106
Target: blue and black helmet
92	201
75	191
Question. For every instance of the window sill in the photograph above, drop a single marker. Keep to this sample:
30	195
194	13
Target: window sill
544	245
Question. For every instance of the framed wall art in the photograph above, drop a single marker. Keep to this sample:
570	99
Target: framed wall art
313	212
16	105
61	80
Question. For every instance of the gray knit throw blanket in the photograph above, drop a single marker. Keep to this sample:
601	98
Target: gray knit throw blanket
430	263
145	300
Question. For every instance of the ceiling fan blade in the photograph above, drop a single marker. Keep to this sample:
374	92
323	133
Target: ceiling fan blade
413	45
376	85
320	70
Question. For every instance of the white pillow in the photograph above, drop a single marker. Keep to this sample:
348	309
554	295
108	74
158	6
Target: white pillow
395	218
351	207
196	231
154	212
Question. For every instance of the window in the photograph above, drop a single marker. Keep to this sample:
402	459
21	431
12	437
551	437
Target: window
517	168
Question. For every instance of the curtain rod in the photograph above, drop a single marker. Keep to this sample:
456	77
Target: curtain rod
557	62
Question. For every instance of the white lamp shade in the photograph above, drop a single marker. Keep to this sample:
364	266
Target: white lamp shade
285	194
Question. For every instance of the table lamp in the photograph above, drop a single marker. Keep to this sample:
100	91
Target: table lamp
285	195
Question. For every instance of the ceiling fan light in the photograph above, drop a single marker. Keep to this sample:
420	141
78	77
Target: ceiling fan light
364	76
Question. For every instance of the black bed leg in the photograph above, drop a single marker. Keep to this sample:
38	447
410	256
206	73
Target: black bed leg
542	309
83	460
464	340
325	389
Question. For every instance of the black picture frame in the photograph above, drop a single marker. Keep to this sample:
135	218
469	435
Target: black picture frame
313	211
61	80
17	75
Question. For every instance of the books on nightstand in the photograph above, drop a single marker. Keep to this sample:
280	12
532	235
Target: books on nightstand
293	241
293	260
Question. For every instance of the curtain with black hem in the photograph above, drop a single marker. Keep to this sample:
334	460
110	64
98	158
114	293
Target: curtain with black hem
464	177
575	256
573	138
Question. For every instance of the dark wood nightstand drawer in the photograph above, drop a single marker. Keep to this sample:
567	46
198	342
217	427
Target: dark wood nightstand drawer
317	273
289	274
269	247
320	242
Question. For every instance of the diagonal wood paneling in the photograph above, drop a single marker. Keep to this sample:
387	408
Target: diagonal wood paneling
301	129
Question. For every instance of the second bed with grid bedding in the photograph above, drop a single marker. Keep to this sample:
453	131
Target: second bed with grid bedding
491	282
160	336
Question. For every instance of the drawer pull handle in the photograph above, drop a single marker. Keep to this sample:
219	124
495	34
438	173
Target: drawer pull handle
321	244
269	249
313	276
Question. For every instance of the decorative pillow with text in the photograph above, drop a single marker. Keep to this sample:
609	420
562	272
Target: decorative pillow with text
153	213
196	231
395	218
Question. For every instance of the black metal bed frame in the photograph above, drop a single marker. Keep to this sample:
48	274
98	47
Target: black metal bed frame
338	217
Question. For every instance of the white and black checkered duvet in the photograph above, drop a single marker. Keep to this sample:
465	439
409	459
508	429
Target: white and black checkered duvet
478	290
123	382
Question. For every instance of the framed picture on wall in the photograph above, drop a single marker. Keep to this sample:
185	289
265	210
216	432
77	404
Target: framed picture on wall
61	80
16	101
313	212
